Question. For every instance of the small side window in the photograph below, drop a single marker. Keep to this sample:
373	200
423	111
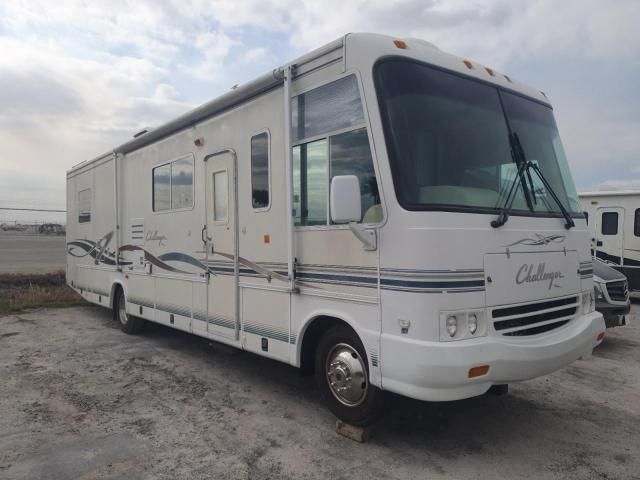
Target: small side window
260	170
220	196
586	217
636	223
610	223
84	206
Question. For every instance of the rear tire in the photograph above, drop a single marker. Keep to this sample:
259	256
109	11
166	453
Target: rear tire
128	323
342	375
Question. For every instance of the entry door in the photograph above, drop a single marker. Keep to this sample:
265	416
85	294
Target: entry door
222	247
610	234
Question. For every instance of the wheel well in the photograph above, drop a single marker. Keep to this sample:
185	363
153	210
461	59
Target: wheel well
310	340
115	288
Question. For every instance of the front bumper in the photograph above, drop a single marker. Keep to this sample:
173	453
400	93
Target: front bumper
614	315
438	371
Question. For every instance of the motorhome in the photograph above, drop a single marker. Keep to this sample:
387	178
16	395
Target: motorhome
377	212
614	230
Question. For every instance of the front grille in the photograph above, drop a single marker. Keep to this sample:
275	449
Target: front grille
534	318
618	291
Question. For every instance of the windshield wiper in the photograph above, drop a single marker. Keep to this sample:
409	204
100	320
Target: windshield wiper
508	203
534	166
529	194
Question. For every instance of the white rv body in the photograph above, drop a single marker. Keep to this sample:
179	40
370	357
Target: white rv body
614	230
256	279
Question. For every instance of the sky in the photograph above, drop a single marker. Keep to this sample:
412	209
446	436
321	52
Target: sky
78	77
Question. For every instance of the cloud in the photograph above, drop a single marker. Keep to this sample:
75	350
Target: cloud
78	77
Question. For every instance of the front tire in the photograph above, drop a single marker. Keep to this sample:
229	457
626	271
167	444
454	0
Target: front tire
128	324
342	375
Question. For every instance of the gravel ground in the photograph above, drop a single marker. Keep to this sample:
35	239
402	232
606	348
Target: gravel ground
80	399
31	253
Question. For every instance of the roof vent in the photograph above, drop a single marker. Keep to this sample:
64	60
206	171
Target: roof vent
142	132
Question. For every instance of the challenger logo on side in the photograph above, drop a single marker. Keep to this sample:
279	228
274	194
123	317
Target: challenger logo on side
526	275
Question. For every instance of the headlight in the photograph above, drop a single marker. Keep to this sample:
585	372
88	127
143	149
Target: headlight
458	325
452	325
598	290
472	323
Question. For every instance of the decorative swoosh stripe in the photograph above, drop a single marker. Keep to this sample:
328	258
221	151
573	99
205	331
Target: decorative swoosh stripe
310	275
75	247
539	240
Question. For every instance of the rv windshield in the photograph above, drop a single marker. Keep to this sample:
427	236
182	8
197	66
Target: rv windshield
448	142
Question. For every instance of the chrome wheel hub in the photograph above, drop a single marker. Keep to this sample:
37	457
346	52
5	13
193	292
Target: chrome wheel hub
347	375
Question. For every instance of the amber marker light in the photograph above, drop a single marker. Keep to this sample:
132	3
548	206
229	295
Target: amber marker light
401	44
478	371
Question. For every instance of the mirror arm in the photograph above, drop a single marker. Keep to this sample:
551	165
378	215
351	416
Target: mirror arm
367	236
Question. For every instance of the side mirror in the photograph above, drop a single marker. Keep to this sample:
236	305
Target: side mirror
345	200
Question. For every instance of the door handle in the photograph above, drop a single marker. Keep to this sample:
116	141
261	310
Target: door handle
202	234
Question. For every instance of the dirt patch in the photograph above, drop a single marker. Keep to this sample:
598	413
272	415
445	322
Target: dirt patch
22	291
80	399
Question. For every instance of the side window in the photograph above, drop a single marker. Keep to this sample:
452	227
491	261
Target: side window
310	183
182	183
350	155
162	188
586	217
220	196
636	223
610	223
260	170
334	106
173	185
334	113
84	206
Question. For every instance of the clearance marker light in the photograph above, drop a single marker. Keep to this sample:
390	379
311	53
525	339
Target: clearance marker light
468	64
490	71
401	44
478	371
508	78
600	336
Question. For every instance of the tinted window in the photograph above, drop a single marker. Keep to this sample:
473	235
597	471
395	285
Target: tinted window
328	108
350	155
162	188
182	183
84	206
636	223
310	183
260	170
610	223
